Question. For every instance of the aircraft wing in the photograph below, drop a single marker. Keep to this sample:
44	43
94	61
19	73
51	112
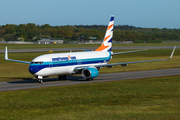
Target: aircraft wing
125	63
6	58
127	52
79	69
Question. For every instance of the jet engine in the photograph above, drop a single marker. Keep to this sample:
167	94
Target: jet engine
90	73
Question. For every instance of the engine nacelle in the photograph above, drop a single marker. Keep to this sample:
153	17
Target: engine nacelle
90	73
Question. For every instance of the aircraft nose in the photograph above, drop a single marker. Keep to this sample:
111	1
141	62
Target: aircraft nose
32	69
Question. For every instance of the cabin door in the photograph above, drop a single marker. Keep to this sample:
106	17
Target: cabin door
50	64
79	62
50	67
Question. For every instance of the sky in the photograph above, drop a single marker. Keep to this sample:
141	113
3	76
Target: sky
138	13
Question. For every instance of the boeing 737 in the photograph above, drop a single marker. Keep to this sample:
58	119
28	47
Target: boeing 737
86	63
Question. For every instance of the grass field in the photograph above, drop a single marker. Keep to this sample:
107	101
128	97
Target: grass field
11	71
40	46
140	99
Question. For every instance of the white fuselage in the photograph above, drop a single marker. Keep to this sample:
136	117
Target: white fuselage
65	63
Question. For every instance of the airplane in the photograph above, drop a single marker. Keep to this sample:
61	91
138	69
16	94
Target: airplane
87	63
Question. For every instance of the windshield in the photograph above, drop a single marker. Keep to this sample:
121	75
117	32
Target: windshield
37	62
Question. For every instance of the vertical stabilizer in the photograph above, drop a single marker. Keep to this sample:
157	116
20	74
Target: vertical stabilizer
107	42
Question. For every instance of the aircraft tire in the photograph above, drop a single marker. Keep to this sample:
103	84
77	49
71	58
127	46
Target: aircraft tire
40	81
60	77
89	79
64	77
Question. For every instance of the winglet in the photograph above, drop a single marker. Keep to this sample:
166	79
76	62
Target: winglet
6	54
6	58
172	53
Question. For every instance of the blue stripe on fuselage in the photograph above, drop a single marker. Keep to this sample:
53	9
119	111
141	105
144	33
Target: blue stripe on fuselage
34	68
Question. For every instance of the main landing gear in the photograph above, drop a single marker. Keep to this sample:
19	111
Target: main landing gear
89	79
62	77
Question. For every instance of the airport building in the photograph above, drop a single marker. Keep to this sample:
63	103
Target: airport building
50	41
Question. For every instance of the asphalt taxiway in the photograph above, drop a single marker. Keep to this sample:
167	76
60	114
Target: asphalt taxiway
74	80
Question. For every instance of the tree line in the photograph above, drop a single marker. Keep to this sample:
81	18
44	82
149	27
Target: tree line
33	32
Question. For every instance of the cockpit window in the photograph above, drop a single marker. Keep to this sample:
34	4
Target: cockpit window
37	62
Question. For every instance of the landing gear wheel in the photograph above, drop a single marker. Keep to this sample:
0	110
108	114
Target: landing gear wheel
64	77
40	81
60	77
89	79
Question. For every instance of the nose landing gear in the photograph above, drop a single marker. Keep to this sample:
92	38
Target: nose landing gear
60	77
40	79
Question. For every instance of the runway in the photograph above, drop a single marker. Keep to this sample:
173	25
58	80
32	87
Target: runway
90	48
74	80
